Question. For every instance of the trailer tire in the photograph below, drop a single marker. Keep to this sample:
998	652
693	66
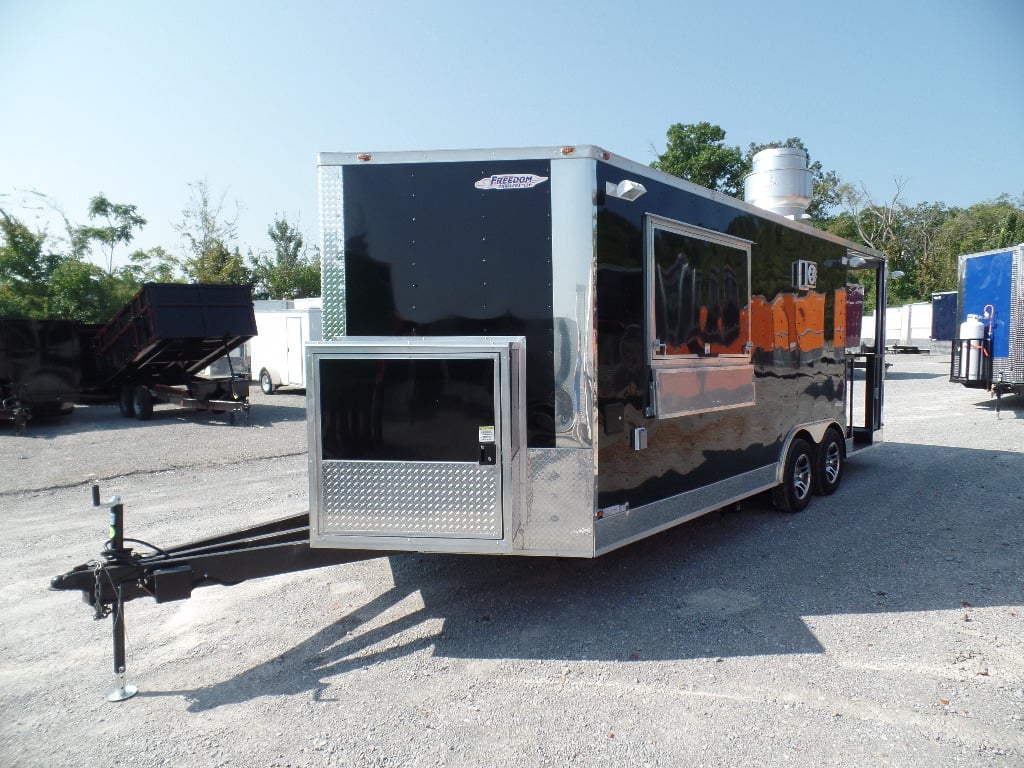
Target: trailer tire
143	402
126	401
794	494
828	463
266	382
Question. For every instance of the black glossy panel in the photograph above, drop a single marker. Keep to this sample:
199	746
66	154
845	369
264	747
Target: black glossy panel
429	254
700	289
427	409
798	366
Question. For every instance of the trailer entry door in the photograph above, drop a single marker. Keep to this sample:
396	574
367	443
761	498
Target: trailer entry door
293	334
413	439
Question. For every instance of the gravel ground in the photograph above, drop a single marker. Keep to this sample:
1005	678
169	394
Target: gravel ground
883	626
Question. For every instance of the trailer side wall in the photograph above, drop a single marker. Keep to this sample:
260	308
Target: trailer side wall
796	347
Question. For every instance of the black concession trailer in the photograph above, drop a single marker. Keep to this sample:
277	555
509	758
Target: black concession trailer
548	352
559	351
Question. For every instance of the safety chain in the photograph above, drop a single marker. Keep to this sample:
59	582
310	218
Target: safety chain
101	610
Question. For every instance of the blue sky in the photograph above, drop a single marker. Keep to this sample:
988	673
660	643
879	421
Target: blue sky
139	99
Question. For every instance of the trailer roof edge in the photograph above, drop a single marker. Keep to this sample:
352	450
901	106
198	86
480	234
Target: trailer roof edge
582	152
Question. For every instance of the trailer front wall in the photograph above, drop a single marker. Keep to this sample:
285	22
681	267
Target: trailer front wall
426	253
797	349
453	246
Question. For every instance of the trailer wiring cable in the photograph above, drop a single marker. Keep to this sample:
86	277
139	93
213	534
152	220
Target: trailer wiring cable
119	557
100	571
154	547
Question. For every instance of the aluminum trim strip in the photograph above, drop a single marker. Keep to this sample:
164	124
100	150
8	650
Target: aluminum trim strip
573	226
640	522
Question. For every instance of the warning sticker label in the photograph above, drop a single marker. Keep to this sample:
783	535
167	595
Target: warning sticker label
486	434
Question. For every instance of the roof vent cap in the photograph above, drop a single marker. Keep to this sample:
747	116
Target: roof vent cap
780	182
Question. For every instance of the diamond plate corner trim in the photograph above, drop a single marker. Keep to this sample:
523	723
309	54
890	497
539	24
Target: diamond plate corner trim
332	251
435	499
560	509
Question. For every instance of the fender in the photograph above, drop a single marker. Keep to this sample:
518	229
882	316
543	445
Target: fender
815	430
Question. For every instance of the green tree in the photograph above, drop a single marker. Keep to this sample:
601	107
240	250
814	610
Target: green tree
121	221
887	226
25	269
82	291
925	257
697	152
209	236
155	265
291	271
38	282
218	264
986	226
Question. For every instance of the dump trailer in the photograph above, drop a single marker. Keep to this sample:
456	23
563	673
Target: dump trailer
40	371
154	347
276	353
550	352
988	351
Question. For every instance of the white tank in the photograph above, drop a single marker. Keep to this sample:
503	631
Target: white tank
780	182
972	337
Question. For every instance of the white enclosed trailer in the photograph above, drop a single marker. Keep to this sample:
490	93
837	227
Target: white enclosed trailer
276	352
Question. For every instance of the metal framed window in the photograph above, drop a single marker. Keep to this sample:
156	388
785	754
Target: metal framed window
698	319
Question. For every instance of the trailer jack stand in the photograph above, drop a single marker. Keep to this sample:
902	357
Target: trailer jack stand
121	690
115	551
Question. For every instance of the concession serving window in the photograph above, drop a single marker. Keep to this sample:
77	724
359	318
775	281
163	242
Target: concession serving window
698	319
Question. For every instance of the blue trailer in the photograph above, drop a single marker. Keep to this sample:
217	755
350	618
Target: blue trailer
988	352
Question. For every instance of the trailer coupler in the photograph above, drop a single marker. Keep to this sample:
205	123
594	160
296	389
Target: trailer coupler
121	574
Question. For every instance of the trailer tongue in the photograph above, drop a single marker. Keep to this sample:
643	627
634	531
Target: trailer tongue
122	574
